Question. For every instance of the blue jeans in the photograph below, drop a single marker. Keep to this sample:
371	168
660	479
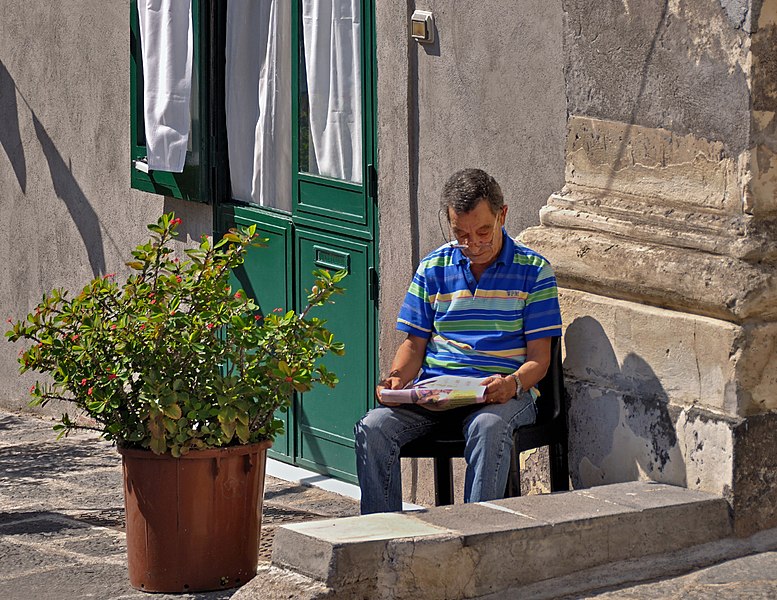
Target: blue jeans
488	433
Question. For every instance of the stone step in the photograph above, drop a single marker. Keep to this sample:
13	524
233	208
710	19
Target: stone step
473	550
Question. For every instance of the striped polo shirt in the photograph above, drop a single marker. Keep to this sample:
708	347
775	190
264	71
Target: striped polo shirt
480	328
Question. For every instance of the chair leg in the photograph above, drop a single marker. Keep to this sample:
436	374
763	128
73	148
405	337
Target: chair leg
514	479
559	467
443	481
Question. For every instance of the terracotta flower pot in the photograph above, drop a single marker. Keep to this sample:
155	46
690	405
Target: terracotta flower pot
193	523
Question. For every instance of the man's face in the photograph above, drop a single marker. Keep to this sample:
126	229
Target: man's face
480	230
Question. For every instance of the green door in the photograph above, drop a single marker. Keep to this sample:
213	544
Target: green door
328	219
267	278
325	417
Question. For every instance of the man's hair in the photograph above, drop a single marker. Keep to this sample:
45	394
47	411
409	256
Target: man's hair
465	188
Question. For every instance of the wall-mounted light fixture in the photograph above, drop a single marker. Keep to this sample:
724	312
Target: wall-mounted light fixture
422	26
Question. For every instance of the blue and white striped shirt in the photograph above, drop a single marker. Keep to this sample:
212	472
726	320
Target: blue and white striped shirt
480	328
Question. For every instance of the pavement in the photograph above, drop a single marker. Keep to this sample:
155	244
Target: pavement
62	536
62	516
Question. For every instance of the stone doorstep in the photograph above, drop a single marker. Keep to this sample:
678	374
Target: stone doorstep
466	551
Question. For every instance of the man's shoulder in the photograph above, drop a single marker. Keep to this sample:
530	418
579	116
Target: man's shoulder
523	255
444	256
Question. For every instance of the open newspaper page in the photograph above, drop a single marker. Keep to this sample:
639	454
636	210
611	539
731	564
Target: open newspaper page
440	393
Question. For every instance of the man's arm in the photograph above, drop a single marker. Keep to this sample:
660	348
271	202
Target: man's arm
499	389
405	366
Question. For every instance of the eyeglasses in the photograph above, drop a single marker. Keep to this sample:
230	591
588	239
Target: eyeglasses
455	243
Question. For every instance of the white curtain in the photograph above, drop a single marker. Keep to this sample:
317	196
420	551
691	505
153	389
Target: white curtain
332	36
258	101
166	48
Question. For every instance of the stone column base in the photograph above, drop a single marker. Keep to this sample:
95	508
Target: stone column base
672	397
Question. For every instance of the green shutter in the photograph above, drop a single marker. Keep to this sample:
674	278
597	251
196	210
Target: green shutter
195	182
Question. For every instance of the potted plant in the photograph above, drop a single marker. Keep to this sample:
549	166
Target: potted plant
185	374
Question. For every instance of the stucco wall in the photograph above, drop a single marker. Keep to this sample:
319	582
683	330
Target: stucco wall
488	93
67	209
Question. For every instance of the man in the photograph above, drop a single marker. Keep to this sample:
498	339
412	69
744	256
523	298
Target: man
484	306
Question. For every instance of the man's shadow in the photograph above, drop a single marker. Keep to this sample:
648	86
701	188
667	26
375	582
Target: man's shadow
621	425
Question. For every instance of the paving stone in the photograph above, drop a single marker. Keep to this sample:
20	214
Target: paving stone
475	519
561	508
644	494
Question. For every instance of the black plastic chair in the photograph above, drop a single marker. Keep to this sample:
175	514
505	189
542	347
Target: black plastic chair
445	442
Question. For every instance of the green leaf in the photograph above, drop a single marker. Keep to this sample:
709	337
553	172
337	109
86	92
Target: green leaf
158	445
243	434
173	411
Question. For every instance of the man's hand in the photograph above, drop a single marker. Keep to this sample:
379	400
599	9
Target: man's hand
499	389
390	382
404	368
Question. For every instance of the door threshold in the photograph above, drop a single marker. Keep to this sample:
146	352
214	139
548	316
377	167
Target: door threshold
287	472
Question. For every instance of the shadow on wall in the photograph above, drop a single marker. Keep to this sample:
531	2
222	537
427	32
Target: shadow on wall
640	96
10	138
621	426
65	185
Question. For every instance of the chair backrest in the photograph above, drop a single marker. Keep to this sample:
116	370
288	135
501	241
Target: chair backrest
551	403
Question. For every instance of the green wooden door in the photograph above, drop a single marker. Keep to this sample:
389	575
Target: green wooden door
332	225
325	417
266	276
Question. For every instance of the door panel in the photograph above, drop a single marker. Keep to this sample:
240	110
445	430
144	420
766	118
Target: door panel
266	276
346	203
325	417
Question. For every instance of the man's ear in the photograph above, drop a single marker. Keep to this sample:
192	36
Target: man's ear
504	214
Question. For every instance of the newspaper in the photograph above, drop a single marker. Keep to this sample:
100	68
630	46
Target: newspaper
440	393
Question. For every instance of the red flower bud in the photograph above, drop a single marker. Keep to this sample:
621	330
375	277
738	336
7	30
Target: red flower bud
83	381
89	391
289	379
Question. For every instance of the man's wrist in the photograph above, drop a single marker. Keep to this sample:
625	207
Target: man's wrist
518	385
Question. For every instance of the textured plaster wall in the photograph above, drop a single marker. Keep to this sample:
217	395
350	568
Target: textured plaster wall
488	93
66	206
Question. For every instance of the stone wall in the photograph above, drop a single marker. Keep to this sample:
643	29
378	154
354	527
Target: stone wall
663	237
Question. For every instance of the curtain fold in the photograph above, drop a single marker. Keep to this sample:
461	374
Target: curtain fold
258	105
166	48
332	38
